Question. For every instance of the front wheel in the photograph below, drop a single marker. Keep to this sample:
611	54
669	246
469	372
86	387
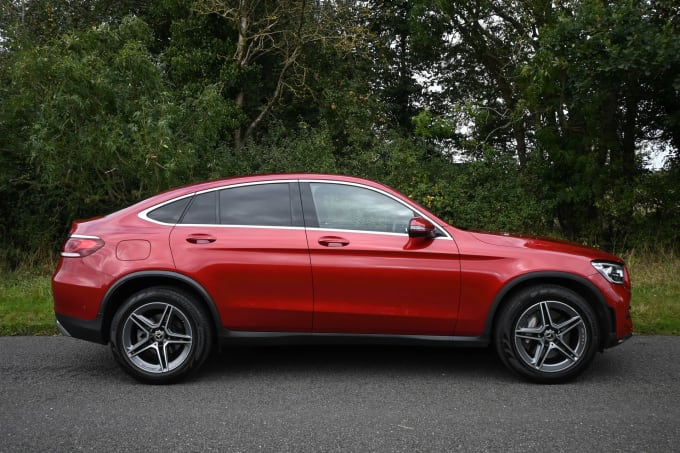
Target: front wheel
159	335
547	334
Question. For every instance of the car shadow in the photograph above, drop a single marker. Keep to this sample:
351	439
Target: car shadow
367	360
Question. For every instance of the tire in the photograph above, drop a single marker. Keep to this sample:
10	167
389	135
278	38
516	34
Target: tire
160	335
547	334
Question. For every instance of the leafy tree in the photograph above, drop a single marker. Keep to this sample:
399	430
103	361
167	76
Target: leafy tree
94	127
270	37
595	89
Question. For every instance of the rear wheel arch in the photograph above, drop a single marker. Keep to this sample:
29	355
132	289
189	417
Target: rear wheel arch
138	281
575	283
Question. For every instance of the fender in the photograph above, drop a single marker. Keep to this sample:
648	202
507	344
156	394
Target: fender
108	307
578	283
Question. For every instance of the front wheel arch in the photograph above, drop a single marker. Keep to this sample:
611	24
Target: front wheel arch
604	314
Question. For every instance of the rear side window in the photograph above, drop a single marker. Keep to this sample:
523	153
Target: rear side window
276	204
171	212
262	205
203	209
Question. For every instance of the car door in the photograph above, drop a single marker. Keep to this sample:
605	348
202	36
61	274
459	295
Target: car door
369	275
247	246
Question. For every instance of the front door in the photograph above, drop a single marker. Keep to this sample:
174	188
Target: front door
369	275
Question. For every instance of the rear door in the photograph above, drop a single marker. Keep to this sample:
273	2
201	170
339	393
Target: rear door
247	246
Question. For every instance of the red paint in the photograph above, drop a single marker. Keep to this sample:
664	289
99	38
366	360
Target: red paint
312	279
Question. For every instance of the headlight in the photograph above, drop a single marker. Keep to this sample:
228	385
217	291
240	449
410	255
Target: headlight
613	272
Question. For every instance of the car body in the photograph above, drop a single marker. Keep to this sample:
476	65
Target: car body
318	257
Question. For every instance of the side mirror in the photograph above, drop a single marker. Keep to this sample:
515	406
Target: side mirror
421	228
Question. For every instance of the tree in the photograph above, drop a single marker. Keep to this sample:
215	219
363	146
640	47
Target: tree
94	127
597	88
272	35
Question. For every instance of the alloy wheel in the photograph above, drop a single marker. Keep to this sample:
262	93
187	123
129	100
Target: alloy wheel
550	336
157	337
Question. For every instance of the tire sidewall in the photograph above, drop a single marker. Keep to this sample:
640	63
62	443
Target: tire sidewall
517	305
197	320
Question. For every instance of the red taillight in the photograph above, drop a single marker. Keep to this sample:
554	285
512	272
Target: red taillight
79	246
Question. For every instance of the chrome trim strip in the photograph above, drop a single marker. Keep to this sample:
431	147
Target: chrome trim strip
218	225
62	330
337	230
244	184
84	236
144	214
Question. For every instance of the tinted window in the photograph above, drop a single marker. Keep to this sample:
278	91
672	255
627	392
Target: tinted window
345	207
203	209
171	212
264	205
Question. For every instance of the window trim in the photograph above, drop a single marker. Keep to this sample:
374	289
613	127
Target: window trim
309	218
144	214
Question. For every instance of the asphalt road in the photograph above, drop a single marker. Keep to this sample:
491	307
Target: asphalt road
61	394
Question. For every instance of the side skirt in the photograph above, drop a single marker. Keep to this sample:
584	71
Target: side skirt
295	338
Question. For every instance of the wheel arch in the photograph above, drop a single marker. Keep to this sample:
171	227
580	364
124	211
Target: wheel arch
578	284
137	281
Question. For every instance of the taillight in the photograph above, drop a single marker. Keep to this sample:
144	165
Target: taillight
78	246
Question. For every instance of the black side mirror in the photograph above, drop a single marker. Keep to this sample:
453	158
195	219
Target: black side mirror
419	227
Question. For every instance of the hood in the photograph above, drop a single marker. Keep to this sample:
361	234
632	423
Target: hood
538	243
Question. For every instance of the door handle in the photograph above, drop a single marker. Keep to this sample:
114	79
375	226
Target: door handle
333	241
200	239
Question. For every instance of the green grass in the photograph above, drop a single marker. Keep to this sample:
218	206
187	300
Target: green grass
26	299
656	292
26	303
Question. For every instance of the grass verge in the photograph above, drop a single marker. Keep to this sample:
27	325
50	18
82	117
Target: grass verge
656	292
26	303
26	299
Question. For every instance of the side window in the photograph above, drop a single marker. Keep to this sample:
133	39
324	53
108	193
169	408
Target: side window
346	207
203	209
171	212
261	205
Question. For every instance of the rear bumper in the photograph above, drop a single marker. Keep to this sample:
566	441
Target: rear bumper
613	341
78	328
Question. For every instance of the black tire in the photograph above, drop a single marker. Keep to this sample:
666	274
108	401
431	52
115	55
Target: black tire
547	334
160	335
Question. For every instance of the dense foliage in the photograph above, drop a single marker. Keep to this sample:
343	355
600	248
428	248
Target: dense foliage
531	116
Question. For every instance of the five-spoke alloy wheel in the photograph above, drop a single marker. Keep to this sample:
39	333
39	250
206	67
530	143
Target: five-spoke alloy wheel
159	335
547	333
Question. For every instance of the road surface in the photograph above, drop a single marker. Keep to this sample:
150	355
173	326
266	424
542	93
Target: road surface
62	394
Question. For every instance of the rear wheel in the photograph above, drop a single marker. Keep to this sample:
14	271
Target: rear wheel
160	335
547	334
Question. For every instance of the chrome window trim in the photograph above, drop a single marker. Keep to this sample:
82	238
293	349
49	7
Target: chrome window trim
217	225
144	214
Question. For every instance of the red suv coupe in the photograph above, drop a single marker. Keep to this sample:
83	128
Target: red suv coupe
317	257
